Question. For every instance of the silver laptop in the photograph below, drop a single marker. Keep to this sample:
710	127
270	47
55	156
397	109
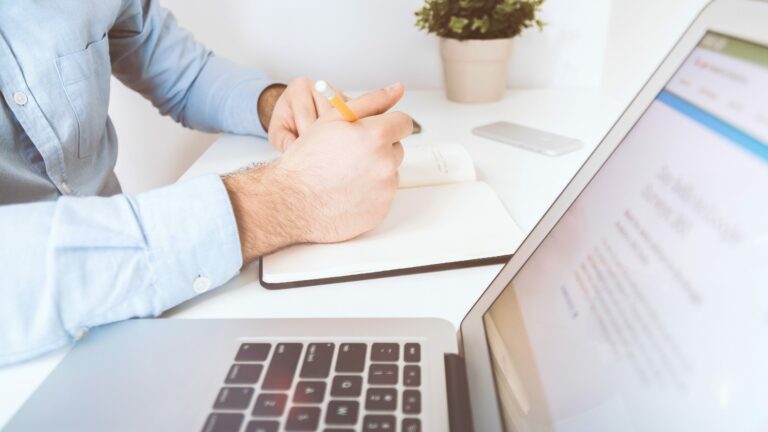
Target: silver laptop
639	302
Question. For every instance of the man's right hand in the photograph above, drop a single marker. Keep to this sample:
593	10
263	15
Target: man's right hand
335	182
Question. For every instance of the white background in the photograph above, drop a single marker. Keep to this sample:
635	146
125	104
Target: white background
611	44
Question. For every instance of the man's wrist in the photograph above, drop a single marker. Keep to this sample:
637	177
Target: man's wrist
266	103
267	208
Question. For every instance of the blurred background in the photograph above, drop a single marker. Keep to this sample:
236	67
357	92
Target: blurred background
613	45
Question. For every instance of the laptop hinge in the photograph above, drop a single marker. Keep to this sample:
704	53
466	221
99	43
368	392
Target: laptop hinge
459	409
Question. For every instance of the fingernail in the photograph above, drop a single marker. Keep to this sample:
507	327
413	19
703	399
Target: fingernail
393	87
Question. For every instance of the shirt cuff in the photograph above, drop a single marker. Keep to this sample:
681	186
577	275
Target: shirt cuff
243	108
230	93
192	236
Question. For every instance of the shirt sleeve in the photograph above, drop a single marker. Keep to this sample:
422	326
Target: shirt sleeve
81	262
151	54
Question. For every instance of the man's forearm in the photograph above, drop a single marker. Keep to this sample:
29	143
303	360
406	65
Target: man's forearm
266	103
269	208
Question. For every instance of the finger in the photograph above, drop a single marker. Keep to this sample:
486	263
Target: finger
281	137
304	112
399	152
377	101
321	103
391	127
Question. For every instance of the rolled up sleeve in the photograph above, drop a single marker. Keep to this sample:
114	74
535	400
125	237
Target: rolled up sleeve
81	262
151	54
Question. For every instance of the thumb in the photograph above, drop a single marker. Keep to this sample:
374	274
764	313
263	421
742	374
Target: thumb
281	138
376	102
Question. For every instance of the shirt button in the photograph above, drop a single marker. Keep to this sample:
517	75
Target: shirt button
201	284
65	188
81	332
20	98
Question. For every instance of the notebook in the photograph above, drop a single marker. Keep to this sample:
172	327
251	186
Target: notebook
441	218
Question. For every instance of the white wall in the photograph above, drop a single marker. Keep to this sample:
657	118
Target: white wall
365	44
641	35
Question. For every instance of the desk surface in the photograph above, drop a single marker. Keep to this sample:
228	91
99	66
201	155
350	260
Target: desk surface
526	182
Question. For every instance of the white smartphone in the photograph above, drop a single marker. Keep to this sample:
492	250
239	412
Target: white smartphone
528	138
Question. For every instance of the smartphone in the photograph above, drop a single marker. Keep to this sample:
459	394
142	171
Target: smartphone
528	138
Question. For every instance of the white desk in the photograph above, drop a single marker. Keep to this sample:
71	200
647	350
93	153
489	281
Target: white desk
527	183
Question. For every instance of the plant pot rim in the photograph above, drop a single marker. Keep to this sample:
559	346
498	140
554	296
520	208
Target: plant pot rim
476	40
482	50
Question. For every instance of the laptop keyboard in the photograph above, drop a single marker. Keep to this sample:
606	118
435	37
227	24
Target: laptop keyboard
320	387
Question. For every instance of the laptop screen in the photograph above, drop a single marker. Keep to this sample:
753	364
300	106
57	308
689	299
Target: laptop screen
646	307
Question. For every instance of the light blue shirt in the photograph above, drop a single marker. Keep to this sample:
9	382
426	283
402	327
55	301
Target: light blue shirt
74	252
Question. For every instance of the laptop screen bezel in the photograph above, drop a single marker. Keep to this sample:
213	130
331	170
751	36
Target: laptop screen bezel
741	19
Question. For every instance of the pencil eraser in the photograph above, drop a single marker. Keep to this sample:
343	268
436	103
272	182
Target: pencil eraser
324	89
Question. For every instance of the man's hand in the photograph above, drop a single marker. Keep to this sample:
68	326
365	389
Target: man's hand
335	182
297	108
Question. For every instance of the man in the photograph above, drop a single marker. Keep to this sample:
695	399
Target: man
75	253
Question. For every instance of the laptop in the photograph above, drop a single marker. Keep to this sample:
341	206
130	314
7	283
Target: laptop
638	302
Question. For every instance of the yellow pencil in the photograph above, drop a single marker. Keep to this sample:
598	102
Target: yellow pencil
335	99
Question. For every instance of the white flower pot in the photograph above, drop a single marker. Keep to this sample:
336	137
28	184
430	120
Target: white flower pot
475	71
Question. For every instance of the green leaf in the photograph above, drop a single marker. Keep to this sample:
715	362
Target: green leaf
507	6
482	24
457	24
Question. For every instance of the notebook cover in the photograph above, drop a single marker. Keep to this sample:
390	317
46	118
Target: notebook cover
381	274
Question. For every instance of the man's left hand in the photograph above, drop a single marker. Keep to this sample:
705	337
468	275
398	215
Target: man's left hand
295	108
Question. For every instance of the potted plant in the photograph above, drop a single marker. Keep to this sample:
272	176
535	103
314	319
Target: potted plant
476	42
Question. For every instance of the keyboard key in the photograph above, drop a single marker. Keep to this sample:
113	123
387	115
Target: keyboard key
412	353
382	374
385	352
379	423
303	419
342	412
282	367
244	373
253	352
223	422
411	425
233	398
270	404
338	430
381	399
262	426
309	392
351	357
317	361
412	402
412	376
347	386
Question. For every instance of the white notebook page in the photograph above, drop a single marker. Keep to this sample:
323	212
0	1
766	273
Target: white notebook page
436	164
426	226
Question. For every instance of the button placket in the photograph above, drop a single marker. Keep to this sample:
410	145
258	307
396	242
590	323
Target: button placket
29	115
